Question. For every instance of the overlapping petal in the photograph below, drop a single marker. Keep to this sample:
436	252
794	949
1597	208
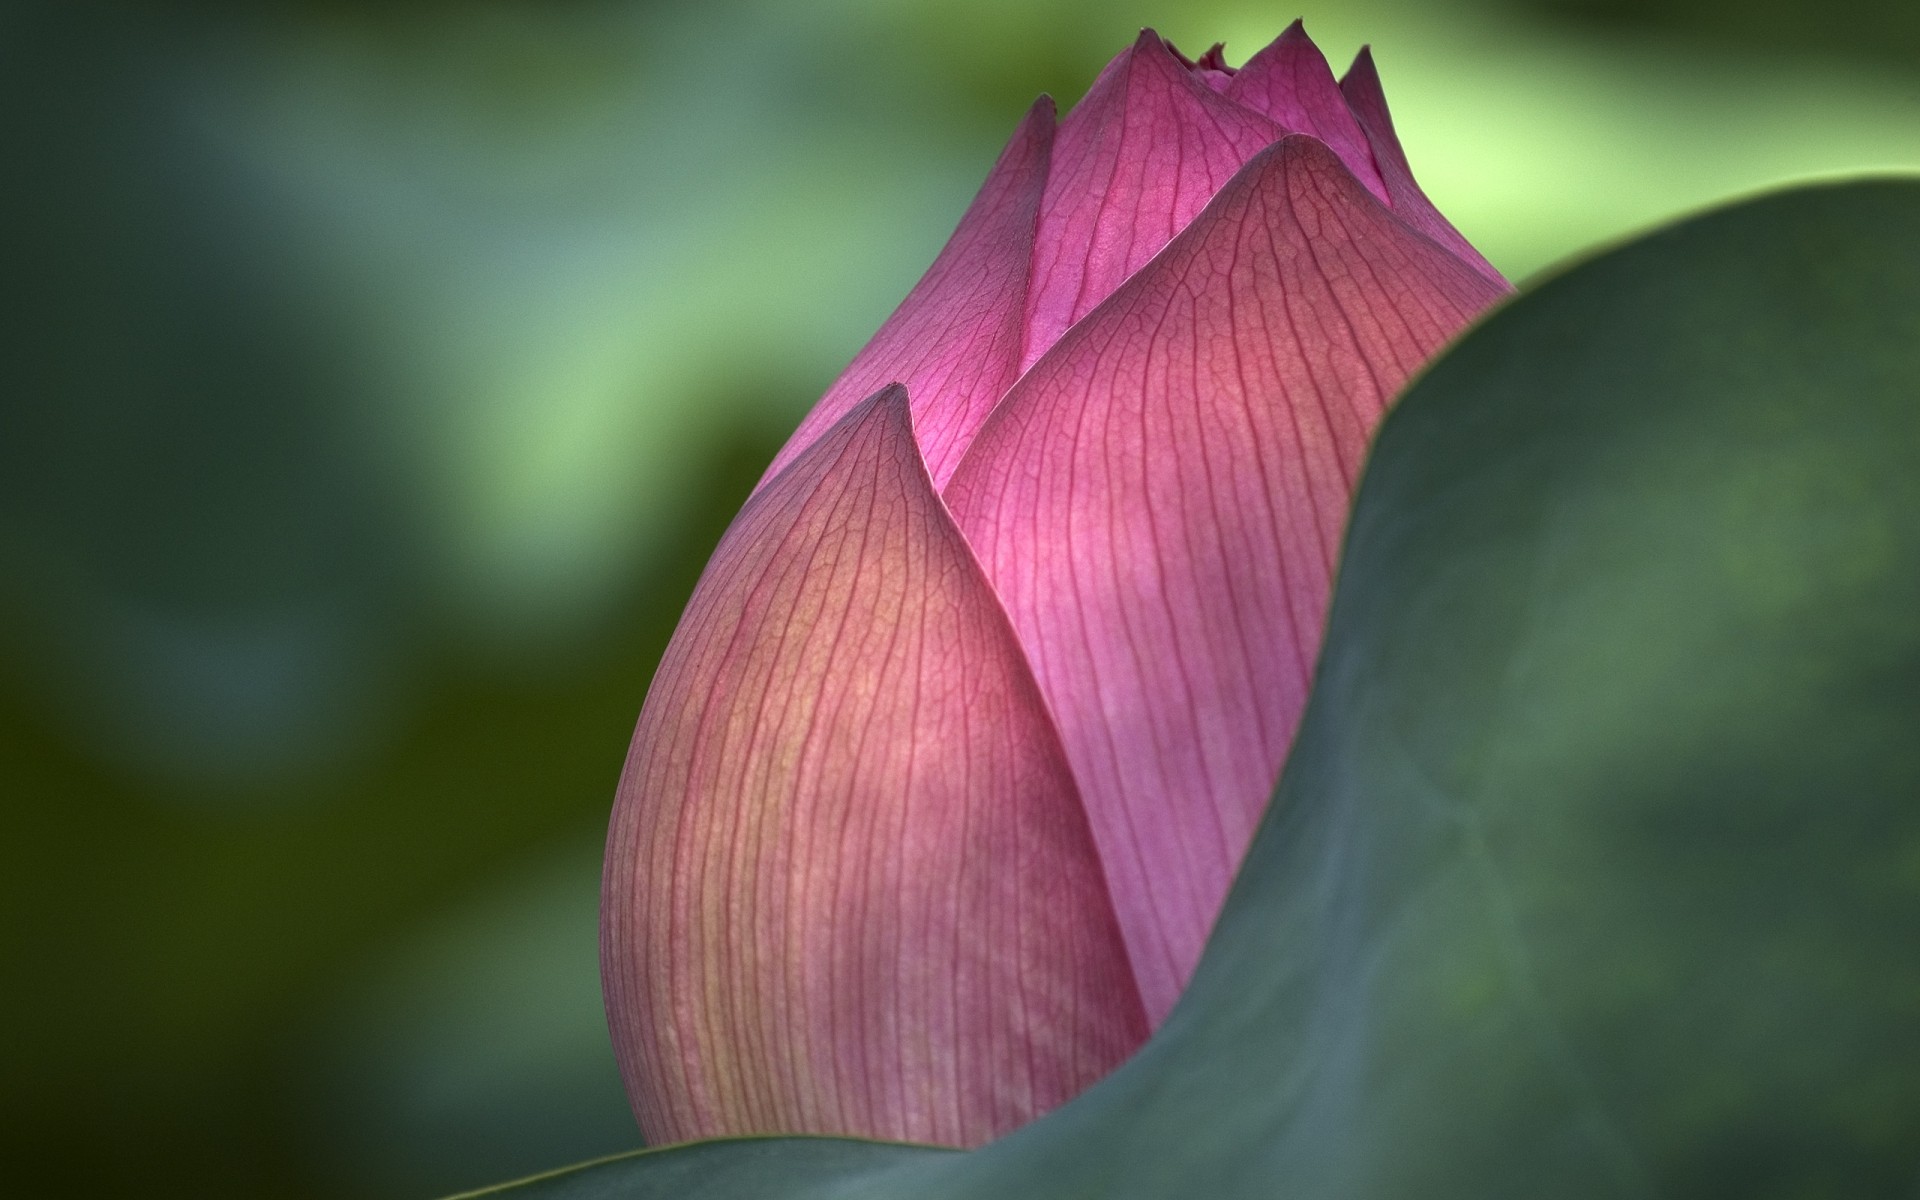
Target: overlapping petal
1290	83
886	862
850	886
1159	504
955	341
1210	68
1361	86
1133	163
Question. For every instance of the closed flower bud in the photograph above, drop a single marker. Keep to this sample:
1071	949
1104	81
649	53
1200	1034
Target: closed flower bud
945	774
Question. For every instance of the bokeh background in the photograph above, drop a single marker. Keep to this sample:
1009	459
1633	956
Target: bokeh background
376	378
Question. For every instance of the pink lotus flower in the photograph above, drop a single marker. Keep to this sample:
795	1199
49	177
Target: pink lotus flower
943	778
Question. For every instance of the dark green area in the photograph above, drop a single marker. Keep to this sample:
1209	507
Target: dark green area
723	1170
1595	870
192	954
1885	33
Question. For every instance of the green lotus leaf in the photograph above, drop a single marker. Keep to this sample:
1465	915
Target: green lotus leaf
1595	868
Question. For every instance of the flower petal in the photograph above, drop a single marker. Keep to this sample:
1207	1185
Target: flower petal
1290	83
1159	503
1361	86
850	887
1134	162
955	340
1210	68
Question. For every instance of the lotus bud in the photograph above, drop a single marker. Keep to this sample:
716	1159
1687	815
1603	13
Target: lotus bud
943	777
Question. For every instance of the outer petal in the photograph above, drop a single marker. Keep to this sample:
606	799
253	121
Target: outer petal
1361	86
850	887
1135	161
1160	500
955	340
1290	83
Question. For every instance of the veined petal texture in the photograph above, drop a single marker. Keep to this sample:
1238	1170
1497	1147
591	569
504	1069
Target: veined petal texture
1290	83
850	885
1361	86
955	341
1159	504
1133	163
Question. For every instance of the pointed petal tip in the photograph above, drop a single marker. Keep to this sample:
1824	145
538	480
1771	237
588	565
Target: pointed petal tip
955	339
1290	82
1211	60
1367	99
891	405
1293	35
1214	58
1038	122
1294	38
1362	67
751	986
1151	44
1161	49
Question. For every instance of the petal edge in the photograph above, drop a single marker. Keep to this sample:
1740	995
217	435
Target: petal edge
1135	161
954	342
849	885
1159	503
1368	100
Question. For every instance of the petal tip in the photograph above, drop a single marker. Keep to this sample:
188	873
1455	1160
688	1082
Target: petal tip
1362	68
890	412
1215	59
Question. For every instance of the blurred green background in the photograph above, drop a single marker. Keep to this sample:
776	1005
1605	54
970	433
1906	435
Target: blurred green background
377	377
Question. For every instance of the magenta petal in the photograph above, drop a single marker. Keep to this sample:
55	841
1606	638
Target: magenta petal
1290	83
1210	68
1160	500
955	340
850	887
1134	161
1368	100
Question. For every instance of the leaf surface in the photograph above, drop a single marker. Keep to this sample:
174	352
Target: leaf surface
1595	870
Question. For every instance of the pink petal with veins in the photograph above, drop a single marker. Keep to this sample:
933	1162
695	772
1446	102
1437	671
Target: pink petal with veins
1159	504
850	886
1361	86
1290	83
1210	68
1134	162
955	340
